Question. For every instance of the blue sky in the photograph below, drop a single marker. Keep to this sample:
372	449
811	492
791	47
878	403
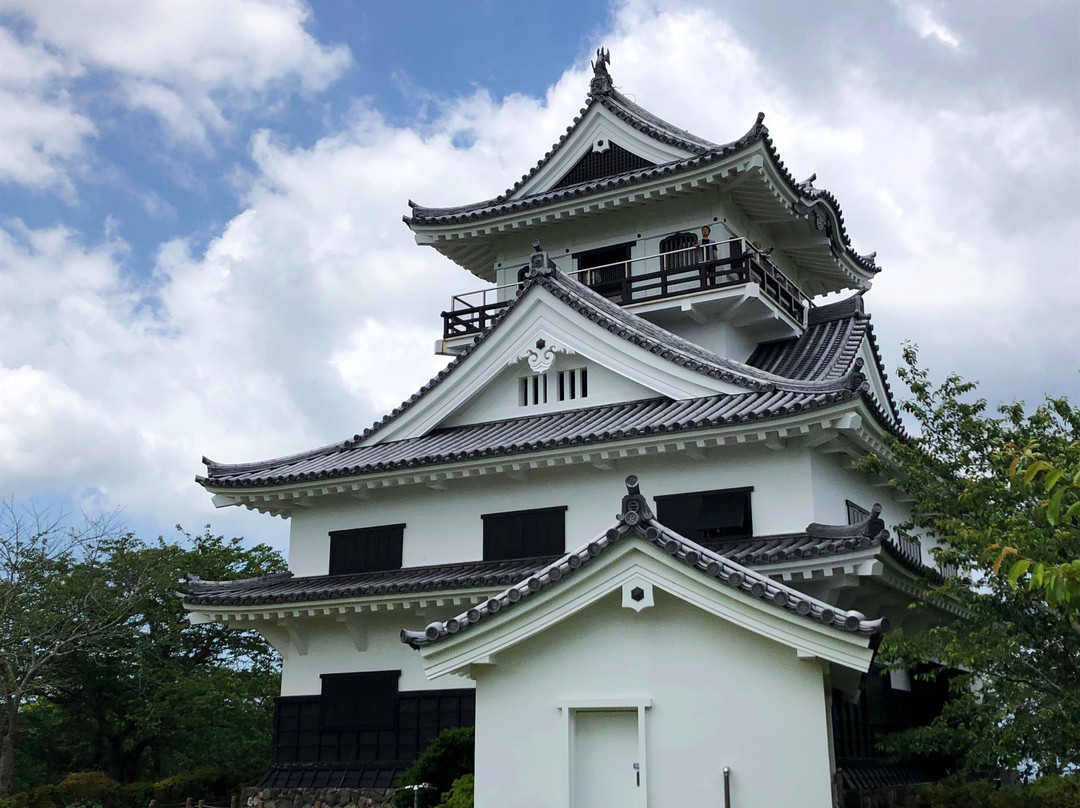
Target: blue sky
401	62
200	240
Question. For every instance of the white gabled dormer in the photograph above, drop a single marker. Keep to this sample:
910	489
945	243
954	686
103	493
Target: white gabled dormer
557	330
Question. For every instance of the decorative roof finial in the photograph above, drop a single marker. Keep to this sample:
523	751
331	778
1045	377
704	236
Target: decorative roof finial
601	80
635	508
539	263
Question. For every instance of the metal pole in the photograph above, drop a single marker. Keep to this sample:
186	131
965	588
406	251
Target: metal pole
727	787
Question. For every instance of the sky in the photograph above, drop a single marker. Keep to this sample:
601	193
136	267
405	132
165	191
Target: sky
201	245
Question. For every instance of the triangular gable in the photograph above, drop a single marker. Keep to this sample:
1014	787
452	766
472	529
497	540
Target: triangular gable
600	144
539	317
638	552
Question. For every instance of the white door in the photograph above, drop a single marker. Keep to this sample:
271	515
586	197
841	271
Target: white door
605	766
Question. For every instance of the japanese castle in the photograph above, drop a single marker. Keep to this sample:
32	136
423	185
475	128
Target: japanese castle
621	533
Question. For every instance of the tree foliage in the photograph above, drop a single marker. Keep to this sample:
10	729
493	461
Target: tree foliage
448	757
57	600
1017	698
1059	583
153	695
460	794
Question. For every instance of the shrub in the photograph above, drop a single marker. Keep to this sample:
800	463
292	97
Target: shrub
446	759
209	783
1054	792
136	795
460	794
93	788
42	797
978	794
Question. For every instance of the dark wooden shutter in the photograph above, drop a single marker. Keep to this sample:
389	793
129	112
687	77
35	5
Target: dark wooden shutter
677	260
353	701
856	513
366	549
708	515
609	268
524	534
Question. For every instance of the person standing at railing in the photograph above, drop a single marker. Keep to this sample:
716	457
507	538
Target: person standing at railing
708	246
763	252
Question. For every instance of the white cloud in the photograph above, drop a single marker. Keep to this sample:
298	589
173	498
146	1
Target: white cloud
241	44
313	312
926	23
41	134
195	66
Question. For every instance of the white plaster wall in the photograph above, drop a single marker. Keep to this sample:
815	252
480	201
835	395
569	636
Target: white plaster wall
835	481
721	696
721	338
498	401
444	526
645	224
330	650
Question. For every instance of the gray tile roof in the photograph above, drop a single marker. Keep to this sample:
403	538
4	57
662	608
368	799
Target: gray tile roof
286	588
583	427
758	552
636	521
827	353
703	151
828	348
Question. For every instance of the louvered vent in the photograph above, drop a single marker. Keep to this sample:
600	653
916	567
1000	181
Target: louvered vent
597	165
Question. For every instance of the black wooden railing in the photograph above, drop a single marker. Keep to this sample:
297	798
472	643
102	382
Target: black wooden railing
681	272
718	273
907	548
460	322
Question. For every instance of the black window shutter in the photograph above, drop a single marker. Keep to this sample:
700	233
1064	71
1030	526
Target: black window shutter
708	515
358	701
524	534
366	549
856	513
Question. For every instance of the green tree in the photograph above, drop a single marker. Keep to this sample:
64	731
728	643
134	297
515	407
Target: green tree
1059	583
161	696
1017	697
448	757
56	602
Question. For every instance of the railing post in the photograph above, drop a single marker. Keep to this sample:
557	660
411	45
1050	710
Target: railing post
727	787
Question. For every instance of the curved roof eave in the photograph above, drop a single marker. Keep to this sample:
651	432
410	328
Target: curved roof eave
818	206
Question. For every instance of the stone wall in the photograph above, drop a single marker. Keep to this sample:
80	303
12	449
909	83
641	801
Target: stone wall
308	797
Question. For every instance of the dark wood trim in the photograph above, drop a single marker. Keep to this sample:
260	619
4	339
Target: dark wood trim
705	493
526	510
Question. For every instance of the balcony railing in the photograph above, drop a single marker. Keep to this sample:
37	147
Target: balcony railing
689	270
907	548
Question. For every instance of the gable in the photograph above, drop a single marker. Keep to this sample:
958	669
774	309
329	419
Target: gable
538	318
599	145
641	565
597	164
572	381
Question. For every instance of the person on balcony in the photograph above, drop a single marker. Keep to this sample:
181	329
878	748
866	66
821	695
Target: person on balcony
708	246
764	253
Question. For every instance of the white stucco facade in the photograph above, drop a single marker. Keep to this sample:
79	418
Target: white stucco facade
442	525
577	684
717	695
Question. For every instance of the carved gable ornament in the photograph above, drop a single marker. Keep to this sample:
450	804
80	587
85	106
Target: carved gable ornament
541	353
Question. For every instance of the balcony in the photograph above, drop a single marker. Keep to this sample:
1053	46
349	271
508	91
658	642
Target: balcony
640	283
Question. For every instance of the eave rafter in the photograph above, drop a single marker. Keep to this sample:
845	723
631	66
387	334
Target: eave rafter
344	610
